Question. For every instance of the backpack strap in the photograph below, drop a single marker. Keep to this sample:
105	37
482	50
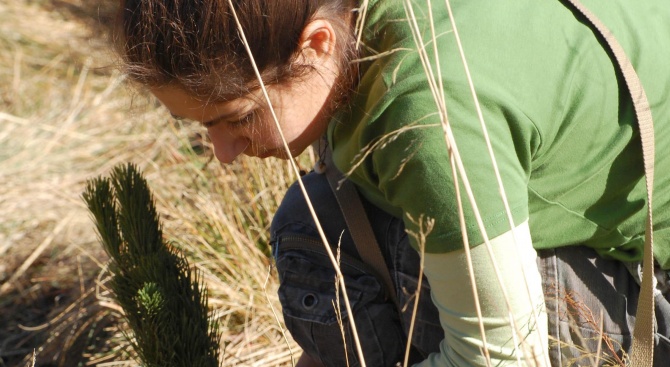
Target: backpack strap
357	221
643	335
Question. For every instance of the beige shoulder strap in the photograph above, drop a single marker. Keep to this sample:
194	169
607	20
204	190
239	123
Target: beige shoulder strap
643	335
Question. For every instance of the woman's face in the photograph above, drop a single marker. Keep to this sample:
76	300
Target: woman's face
246	126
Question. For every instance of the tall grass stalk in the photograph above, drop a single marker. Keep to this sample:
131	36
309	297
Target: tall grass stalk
324	239
438	94
425	226
494	162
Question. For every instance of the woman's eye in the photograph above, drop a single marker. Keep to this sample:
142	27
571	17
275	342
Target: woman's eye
244	120
233	123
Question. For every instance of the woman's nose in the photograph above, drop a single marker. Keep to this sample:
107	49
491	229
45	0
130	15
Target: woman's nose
227	146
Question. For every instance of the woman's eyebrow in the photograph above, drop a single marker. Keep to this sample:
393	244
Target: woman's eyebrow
212	121
223	117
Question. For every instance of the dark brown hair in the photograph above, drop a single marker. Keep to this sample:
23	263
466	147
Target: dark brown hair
195	44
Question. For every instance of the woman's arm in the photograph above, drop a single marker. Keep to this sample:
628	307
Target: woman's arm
452	294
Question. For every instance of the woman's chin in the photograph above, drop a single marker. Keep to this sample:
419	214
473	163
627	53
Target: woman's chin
267	154
278	153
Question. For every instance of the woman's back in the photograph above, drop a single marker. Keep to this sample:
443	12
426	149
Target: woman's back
560	119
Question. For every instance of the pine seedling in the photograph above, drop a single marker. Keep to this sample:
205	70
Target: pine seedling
165	303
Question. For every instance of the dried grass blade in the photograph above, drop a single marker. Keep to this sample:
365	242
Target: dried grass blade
453	150
494	162
322	234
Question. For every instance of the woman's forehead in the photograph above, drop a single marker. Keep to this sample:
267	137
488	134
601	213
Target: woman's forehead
183	105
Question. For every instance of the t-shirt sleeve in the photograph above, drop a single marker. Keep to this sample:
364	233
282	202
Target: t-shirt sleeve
413	171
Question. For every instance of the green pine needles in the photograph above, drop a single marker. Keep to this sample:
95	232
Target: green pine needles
164	302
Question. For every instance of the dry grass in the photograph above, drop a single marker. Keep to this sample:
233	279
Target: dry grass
66	116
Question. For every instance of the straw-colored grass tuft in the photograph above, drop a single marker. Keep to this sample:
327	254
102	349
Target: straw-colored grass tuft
67	116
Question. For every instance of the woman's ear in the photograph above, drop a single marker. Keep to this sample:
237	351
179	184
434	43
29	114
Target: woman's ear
317	42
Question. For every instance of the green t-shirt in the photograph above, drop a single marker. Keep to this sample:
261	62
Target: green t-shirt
560	121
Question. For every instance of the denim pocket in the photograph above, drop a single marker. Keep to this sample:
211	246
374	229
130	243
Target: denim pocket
307	293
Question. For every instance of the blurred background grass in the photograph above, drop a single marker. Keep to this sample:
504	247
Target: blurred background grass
67	115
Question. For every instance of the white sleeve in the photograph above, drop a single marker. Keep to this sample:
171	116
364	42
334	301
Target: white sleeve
452	294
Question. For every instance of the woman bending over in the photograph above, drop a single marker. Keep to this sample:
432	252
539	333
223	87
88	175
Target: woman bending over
379	79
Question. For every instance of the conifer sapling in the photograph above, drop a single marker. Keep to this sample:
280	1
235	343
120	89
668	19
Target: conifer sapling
165	303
